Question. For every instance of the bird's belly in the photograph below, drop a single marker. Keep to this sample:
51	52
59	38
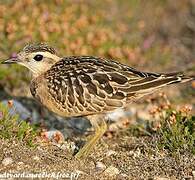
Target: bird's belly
70	110
48	101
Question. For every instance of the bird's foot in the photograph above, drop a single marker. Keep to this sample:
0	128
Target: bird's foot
99	131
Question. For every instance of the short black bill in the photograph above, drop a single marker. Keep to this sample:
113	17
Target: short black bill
10	61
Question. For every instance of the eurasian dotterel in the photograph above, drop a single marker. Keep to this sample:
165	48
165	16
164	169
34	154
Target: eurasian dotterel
86	85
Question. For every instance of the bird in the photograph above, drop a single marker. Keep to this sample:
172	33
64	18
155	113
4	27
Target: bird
74	86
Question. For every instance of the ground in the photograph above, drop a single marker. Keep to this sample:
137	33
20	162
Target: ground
154	35
134	158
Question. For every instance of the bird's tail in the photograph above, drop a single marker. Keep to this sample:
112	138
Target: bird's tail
179	77
156	81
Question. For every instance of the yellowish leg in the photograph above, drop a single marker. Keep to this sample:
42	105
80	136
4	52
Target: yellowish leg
99	131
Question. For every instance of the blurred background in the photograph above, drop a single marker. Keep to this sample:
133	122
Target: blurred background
156	35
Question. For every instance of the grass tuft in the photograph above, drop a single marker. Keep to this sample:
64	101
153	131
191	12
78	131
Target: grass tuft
176	127
172	128
12	127
177	132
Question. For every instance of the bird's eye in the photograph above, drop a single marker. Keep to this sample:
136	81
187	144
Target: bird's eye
38	57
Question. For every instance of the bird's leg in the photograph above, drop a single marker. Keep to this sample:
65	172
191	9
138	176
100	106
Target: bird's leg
100	128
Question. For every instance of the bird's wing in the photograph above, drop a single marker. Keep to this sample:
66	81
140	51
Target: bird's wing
86	85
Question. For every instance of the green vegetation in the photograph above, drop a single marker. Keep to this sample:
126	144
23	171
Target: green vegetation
173	129
177	132
12	127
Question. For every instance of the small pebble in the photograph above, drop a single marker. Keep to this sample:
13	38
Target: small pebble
110	153
122	176
135	153
6	161
100	166
68	146
36	158
20	163
131	153
193	173
111	171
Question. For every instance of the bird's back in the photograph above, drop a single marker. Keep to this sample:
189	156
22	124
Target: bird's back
83	85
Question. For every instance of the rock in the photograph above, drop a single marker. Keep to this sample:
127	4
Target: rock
111	171
80	124
116	115
7	161
17	108
35	116
120	114
53	135
120	119
100	166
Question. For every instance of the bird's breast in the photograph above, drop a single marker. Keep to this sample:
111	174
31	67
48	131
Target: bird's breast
39	90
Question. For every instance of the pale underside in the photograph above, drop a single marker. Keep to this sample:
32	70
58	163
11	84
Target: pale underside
84	85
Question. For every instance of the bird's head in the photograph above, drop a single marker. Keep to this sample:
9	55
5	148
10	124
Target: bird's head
36	57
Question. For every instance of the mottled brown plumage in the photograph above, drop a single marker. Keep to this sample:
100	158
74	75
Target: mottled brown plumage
30	48
87	85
